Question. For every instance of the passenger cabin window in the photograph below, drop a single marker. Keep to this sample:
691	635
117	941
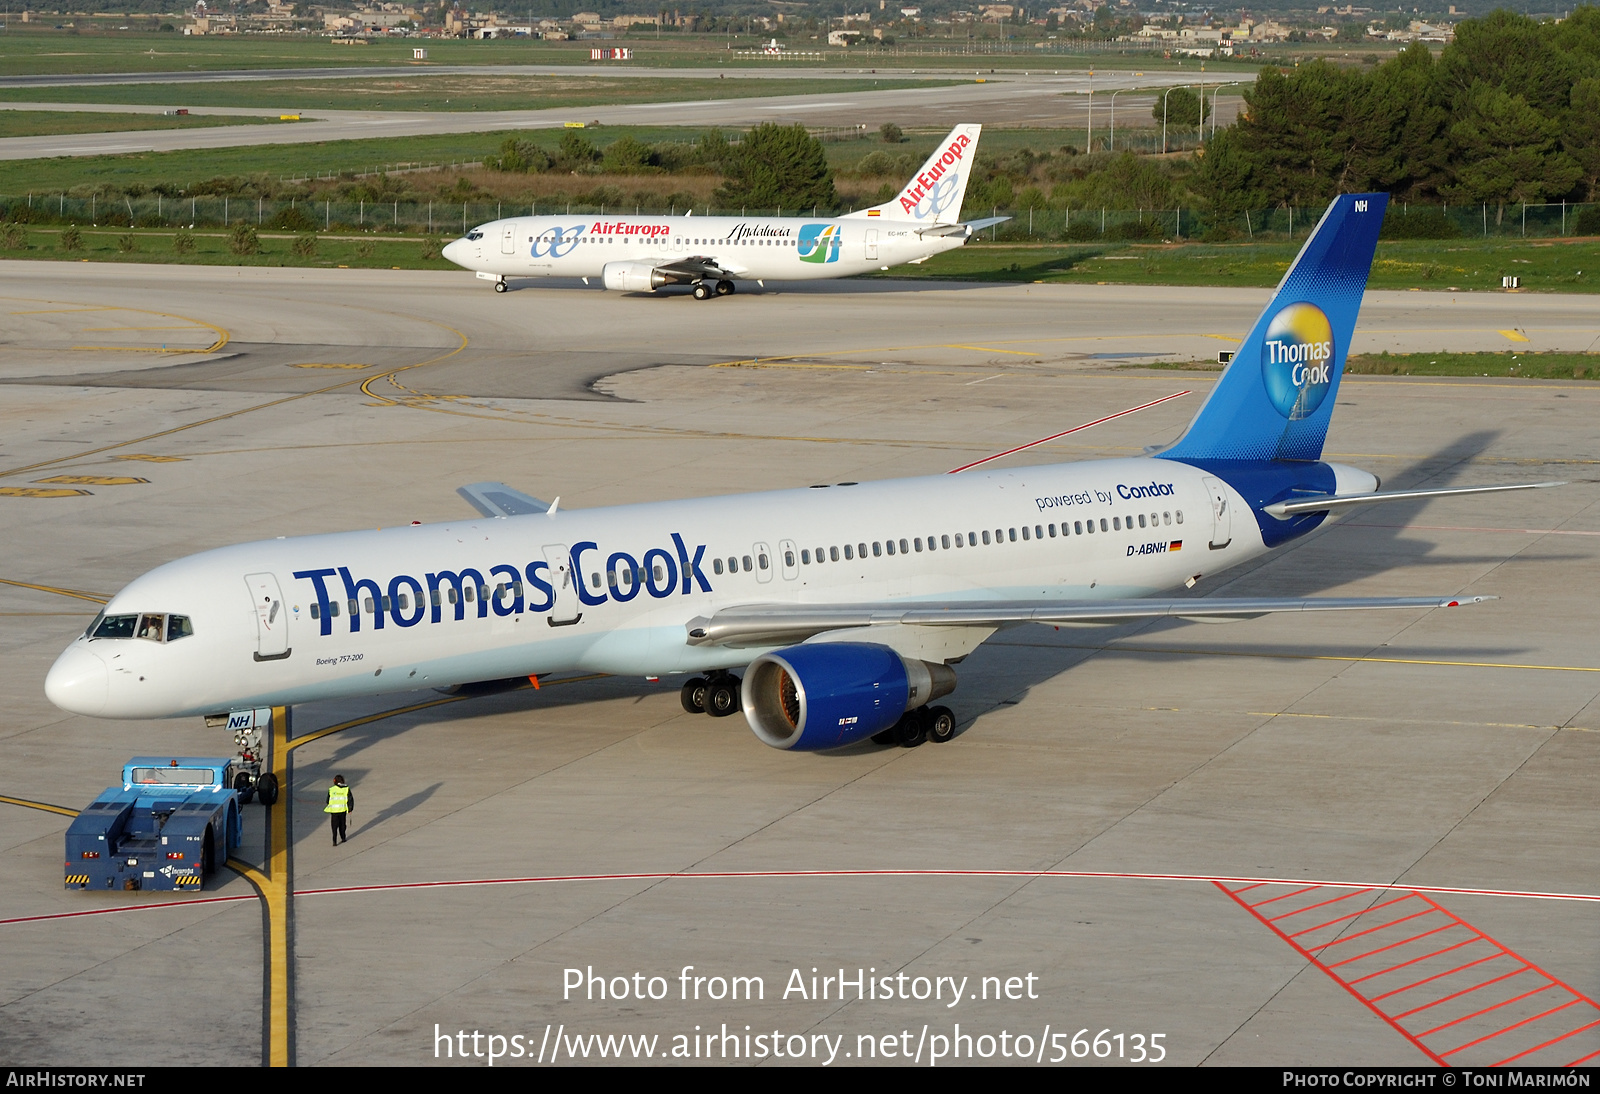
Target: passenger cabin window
716	565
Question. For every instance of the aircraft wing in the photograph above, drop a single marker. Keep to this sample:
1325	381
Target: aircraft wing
1328	502
700	266
766	624
496	499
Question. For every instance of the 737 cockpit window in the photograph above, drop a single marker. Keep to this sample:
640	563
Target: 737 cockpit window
475	234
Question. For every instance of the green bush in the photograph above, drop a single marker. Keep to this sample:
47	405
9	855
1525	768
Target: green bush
1135	230
305	246
1080	230
292	219
71	238
366	249
1423	222
890	133
183	243
430	249
1588	222
14	237
127	243
116	218
244	241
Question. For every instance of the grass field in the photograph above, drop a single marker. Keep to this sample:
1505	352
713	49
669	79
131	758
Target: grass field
1543	265
212	249
40	123
449	93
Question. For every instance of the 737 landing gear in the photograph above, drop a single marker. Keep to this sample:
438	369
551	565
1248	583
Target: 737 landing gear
724	288
702	291
936	724
717	695
500	286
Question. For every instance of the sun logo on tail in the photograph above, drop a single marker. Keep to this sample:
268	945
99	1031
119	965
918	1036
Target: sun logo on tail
1297	360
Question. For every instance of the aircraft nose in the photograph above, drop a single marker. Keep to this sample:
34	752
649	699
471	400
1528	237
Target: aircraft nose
78	682
453	251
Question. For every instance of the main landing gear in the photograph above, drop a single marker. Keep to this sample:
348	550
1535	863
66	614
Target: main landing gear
703	290
716	694
936	724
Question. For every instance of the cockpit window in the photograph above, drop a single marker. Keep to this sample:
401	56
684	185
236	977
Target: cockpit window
475	234
114	626
150	626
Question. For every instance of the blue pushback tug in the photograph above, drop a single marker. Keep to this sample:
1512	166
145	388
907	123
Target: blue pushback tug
168	826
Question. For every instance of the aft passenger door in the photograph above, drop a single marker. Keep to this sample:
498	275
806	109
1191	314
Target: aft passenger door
564	612
1221	514
272	619
872	244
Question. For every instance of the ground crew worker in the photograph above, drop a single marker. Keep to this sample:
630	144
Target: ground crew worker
340	803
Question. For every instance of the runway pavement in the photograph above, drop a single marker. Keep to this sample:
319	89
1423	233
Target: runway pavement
1164	829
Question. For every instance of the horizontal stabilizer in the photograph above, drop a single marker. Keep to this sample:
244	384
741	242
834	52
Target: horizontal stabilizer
1329	502
496	499
966	229
772	624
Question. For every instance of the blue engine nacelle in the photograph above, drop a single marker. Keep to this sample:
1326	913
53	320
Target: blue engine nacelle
831	694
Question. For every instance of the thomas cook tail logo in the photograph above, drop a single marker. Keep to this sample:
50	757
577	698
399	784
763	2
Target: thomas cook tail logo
1297	360
820	243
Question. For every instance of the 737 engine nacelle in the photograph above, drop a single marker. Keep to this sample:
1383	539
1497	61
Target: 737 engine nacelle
634	277
831	694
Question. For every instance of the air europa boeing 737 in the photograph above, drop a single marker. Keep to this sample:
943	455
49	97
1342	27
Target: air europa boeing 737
844	605
643	253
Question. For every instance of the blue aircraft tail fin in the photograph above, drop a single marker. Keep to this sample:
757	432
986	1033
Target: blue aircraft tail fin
1276	397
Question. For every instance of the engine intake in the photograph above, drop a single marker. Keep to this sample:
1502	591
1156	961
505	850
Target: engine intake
633	277
831	694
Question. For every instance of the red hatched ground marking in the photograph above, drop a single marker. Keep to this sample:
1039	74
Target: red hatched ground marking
1445	986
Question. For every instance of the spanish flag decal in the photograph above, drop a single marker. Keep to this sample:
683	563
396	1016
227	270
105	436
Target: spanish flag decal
874	212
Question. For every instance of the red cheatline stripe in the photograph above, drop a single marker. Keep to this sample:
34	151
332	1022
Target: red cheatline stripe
1519	1025
1486	1010
1319	904
1424	957
1065	432
1547	1044
1464	991
1392	945
1358	915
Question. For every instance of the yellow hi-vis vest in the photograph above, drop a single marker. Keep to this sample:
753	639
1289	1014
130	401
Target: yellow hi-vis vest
338	800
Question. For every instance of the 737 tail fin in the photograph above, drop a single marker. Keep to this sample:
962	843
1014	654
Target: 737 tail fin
935	193
1276	397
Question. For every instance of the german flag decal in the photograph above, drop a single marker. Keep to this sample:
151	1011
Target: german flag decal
1175	545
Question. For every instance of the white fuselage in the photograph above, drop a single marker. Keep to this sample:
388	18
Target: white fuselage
643	572
749	248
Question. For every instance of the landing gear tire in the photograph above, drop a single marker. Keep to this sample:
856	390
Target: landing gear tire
693	695
500	286
702	291
245	786
267	789
722	698
941	725
912	728
724	288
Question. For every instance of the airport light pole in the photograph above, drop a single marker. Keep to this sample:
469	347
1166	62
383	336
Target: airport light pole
1169	91
1088	141
1219	87
1112	147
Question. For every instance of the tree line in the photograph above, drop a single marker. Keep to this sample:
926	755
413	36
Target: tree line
1509	112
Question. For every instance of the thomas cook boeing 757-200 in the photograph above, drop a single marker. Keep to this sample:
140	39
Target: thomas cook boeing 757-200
844	607
643	253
